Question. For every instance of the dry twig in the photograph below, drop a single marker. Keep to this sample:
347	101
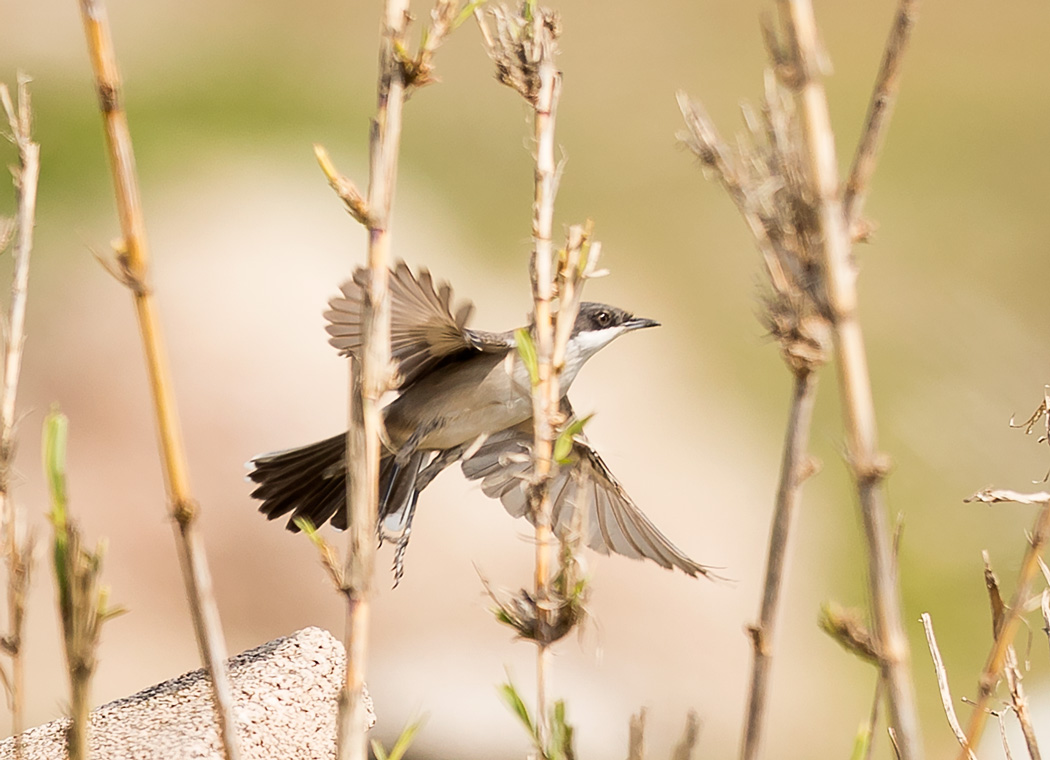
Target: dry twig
880	110
765	177
523	48
942	686
1042	412
370	378
133	258
802	54
1007	628
1018	700
17	542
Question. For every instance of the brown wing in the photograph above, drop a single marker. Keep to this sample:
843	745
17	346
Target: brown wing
611	521
423	327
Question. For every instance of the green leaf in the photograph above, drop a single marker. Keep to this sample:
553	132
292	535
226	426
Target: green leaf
561	734
408	735
56	431
305	524
378	751
527	352
860	743
517	706
56	426
467	12
563	445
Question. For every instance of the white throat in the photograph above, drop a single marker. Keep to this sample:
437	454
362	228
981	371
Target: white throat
582	347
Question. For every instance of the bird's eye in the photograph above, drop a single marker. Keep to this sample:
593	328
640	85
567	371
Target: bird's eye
603	318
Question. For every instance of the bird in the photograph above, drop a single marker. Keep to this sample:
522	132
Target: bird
463	395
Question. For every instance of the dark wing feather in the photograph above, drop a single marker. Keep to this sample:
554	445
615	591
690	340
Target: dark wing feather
424	330
307	482
611	521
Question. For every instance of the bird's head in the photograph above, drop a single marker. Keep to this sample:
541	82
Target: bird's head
598	324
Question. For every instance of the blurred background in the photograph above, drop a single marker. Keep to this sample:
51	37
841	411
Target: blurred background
225	100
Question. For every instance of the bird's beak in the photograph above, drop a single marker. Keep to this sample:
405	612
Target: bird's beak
637	323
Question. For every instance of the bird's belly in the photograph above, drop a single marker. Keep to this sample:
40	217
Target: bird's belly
455	405
468	424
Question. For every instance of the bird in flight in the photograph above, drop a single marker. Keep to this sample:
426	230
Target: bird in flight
463	395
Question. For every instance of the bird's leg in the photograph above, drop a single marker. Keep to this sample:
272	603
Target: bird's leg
402	541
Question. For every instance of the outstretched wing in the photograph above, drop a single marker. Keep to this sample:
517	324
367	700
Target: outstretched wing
424	329
610	520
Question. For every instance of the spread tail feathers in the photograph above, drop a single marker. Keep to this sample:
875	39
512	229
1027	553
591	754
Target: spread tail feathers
307	482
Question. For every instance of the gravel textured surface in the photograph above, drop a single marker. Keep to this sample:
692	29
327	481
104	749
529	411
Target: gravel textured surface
285	693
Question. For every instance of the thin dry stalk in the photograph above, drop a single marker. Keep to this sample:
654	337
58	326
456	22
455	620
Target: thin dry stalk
371	377
369	381
873	717
1002	734
880	110
942	687
17	543
762	181
684	750
1018	699
867	464
636	736
523	47
133	261
794	468
1012	616
546	393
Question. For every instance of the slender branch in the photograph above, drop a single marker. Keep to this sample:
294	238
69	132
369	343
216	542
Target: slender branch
880	110
546	393
1002	734
1018	700
1012	616
868	466
370	379
873	716
794	468
942	687
17	544
133	258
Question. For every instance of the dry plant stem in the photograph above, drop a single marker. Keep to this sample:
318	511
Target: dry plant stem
1018	700
1020	703
134	262
1012	618
17	547
942	686
794	468
707	137
880	109
859	410
1002	735
546	393
369	380
873	716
